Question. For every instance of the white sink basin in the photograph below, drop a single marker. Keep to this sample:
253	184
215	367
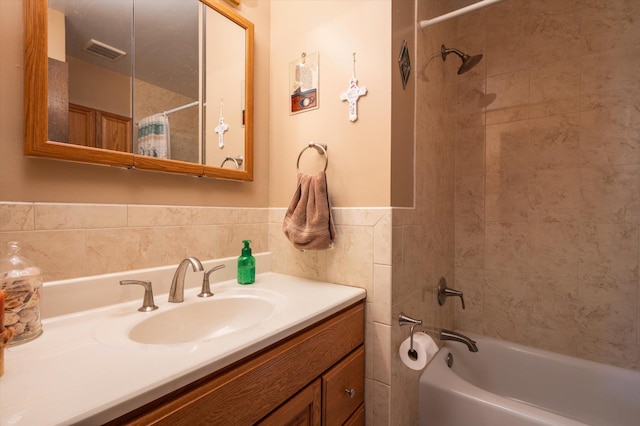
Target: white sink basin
200	321
195	320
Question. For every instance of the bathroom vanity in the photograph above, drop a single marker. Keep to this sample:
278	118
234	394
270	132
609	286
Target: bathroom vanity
315	377
302	363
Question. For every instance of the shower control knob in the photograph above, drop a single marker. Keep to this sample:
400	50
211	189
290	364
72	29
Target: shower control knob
444	292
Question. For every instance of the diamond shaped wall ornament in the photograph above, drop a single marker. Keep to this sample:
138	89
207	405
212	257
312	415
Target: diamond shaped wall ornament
404	61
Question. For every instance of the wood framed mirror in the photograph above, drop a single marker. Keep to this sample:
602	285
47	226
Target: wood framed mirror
110	137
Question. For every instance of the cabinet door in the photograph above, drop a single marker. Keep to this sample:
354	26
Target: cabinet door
114	132
343	389
82	125
301	410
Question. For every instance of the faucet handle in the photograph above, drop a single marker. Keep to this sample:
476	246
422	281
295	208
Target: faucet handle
407	320
148	304
206	290
444	292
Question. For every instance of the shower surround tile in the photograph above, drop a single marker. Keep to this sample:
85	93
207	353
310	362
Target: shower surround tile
561	192
507	146
506	246
610	136
471	282
468	106
555	196
555	88
610	78
505	305
611	194
554	250
609	24
508	47
469	202
470	149
511	91
609	254
469	244
559	30
553	305
555	142
506	197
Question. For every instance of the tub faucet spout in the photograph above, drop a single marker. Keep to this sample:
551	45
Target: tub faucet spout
176	293
452	335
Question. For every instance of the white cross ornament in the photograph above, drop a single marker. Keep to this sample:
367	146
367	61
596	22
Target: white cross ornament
220	129
351	95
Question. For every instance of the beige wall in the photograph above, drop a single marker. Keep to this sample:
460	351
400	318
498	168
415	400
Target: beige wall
31	179
548	177
402	106
358	173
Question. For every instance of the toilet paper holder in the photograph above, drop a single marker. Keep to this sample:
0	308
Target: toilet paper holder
407	320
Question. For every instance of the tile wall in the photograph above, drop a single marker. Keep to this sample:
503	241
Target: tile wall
361	258
76	240
547	166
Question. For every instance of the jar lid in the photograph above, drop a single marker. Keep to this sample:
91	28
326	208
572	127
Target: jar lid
14	265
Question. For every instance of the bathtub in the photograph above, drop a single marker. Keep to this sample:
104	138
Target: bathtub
512	385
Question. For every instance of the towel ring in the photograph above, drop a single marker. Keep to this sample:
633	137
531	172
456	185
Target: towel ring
321	148
236	160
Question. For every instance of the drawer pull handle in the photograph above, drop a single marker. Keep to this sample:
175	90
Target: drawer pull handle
350	392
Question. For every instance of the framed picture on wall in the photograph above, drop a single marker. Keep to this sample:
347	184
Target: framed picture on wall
303	83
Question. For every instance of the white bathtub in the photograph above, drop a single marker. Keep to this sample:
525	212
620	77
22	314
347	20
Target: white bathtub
513	385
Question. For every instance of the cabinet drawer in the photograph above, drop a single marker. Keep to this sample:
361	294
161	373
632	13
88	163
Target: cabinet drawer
357	419
343	389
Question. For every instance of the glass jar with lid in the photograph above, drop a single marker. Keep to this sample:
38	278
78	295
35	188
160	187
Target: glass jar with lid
21	283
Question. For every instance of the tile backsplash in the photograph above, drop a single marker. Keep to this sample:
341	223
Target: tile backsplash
75	240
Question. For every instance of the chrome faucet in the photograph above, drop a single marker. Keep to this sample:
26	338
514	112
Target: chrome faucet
452	335
176	293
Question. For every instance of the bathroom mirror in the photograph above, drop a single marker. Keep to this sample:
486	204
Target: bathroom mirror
190	61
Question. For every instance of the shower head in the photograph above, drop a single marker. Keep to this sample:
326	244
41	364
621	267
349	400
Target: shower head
468	62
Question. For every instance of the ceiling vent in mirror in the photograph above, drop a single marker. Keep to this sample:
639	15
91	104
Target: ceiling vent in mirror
104	50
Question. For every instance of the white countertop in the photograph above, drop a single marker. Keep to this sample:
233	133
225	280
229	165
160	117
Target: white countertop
72	374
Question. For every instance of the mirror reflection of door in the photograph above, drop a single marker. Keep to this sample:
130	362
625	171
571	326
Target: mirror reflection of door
90	73
166	85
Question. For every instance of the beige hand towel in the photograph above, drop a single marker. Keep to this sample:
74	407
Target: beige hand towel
308	222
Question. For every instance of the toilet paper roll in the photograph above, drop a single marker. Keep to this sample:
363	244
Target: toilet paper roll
425	347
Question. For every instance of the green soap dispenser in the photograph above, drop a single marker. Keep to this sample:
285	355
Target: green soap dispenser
246	265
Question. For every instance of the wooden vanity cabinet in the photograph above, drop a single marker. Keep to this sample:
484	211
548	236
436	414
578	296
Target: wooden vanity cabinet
315	377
